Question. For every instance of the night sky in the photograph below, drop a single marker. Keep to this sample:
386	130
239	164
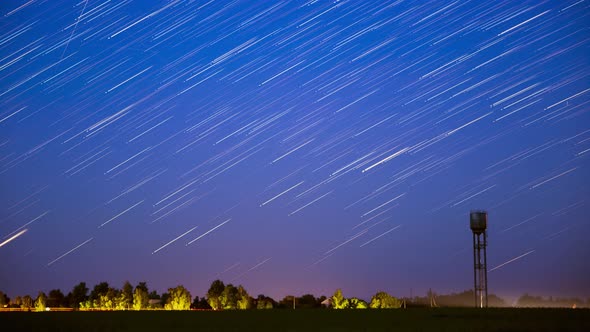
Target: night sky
294	146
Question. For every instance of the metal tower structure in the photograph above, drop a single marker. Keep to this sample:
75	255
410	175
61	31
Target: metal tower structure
479	222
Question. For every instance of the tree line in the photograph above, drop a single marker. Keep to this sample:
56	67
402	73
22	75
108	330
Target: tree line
229	297
219	297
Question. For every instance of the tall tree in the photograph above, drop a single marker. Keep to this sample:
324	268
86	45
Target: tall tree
180	299
163	299
229	297
244	300
4	300
55	299
140	297
109	300
78	295
41	302
126	299
214	294
143	286
97	292
27	302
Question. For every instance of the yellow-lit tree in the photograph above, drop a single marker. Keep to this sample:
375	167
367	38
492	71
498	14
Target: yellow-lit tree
382	300
180	299
140	297
229	297
125	300
355	303
214	294
41	302
244	301
338	300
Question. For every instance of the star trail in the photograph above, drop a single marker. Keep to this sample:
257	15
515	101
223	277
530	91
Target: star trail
346	141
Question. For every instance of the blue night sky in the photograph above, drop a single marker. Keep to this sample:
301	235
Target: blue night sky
294	146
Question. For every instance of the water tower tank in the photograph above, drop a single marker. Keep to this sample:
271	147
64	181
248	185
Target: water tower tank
478	221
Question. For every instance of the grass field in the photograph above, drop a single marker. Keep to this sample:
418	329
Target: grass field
447	319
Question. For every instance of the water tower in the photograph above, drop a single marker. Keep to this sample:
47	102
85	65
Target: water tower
478	220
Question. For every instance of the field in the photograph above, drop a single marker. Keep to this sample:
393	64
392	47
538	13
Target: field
447	319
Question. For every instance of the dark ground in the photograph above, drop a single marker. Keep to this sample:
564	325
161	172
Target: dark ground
418	319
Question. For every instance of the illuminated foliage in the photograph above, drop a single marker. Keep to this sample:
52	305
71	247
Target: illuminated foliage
41	302
244	300
338	300
229	297
85	304
382	300
107	300
264	302
355	303
98	295
140	297
180	299
125	300
214	294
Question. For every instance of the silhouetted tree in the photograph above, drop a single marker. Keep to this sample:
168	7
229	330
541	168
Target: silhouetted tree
287	302
56	299
27	302
153	295
164	299
15	302
78	295
4	300
306	301
200	303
